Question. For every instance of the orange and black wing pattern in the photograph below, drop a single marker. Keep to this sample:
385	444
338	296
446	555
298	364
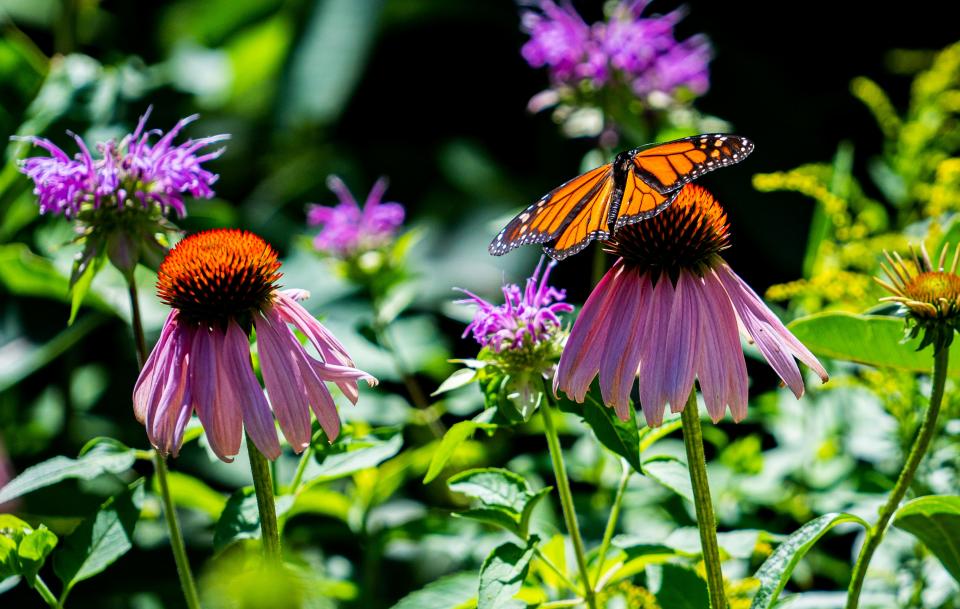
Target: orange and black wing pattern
640	201
667	167
579	202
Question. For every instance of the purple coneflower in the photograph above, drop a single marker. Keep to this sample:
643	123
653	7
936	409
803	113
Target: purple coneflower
641	52
347	229
669	311
135	170
220	284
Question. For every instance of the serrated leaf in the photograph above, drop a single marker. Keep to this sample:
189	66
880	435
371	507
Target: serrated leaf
101	539
502	575
450	592
107	456
454	438
876	340
497	516
775	572
492	487
528	508
935	520
621	437
350	455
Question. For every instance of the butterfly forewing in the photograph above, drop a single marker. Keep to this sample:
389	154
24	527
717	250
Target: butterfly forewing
666	167
544	220
588	223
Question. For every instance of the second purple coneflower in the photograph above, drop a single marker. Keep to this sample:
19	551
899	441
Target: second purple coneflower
669	311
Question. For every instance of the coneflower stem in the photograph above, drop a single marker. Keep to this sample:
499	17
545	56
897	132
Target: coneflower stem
706	521
176	536
917	451
263	486
187	583
612	520
566	497
41	587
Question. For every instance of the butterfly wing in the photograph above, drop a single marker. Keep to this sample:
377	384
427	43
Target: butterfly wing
548	218
589	222
668	166
640	201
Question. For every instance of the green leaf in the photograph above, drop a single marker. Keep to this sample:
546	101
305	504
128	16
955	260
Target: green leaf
775	572
621	437
505	497
450	592
27	274
452	440
33	551
671	473
502	575
681	588
84	270
349	455
101	539
328	60
867	339
189	492
104	456
935	520
460	378
241	517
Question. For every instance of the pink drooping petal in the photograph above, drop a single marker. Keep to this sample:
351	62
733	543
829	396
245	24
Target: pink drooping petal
215	395
581	356
153	369
621	351
726	328
711	367
330	349
167	417
282	374
683	336
774	341
257	419
654	353
319	397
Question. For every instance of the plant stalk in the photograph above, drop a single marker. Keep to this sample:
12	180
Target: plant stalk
612	521
263	486
927	430
706	520
41	587
566	498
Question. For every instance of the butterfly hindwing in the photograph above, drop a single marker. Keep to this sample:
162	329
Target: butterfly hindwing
547	218
640	201
668	166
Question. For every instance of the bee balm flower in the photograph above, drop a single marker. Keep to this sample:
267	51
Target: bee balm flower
220	284
668	311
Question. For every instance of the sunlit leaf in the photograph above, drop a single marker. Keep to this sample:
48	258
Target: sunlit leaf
502	575
349	455
505	498
451	592
105	456
935	520
101	539
452	440
776	570
867	339
621	437
671	473
189	492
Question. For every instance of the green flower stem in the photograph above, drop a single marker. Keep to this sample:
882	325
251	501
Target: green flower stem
706	521
136	322
612	521
917	452
187	583
566	497
301	468
41	587
176	536
558	571
263	486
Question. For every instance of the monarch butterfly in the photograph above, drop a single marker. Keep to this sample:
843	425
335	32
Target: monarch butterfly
638	184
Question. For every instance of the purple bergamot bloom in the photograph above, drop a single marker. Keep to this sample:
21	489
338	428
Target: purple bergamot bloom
220	284
131	171
347	229
669	311
640	52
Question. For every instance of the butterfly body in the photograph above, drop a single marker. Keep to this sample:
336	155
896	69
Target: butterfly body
638	184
